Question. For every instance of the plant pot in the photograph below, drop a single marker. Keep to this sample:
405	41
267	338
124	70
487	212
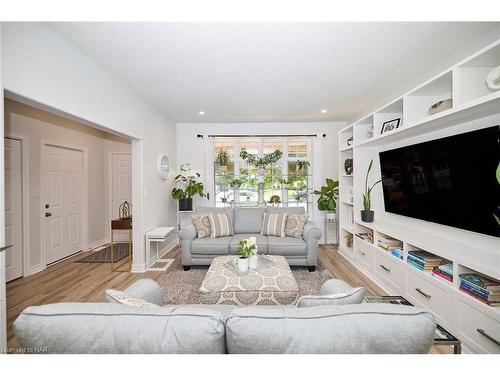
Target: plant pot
242	264
223	167
330	215
186	204
367	216
253	261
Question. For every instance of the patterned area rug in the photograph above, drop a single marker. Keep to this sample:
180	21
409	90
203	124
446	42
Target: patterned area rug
181	287
104	255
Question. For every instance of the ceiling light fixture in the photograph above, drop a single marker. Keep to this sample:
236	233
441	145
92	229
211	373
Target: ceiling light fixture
201	113
324	111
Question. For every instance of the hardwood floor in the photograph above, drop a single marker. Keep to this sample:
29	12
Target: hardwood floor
85	282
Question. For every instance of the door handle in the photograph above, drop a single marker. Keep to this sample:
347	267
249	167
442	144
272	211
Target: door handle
483	332
422	293
48	214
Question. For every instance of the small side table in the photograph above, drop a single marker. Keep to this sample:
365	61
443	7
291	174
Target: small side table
160	234
336	224
121	224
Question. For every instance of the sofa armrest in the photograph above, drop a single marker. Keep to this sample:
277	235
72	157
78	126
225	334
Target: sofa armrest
186	235
146	289
311	235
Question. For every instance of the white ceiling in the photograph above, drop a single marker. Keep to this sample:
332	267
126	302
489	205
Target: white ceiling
268	72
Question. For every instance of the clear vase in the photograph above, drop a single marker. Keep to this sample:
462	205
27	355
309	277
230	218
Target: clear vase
253	261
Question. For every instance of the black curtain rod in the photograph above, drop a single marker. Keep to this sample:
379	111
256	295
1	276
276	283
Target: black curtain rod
261	135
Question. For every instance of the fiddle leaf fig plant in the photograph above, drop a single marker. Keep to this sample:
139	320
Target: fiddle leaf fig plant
328	195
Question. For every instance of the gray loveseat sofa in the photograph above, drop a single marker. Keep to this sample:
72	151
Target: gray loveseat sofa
248	222
219	329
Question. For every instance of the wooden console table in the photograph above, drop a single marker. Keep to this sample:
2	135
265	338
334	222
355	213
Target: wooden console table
121	224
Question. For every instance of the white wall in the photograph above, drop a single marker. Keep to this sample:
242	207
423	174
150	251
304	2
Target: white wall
41	66
38	126
325	149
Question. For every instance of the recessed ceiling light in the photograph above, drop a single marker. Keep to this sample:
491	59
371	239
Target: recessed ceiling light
201	113
324	111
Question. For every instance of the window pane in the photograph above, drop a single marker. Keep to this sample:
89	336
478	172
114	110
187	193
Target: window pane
297	149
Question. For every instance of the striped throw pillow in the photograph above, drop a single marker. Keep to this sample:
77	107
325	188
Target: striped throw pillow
221	225
274	224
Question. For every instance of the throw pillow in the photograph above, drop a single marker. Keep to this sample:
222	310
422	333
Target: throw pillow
127	299
221	225
355	295
295	225
202	224
274	224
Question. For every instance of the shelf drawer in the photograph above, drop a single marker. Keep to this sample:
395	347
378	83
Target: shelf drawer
391	271
363	252
433	296
475	328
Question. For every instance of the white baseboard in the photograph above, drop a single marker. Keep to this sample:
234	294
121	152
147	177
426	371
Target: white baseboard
170	246
97	244
138	268
36	269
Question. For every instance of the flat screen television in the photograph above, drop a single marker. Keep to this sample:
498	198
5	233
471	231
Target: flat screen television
450	181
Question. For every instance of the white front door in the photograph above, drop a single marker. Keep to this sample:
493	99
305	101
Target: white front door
63	208
121	187
13	209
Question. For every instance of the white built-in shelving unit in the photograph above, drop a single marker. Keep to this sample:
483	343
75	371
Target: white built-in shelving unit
474	107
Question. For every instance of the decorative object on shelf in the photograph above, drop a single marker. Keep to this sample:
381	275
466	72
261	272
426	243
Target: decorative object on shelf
493	79
246	249
263	161
163	167
223	159
369	132
328	195
348	239
367	215
390	125
275	201
348	166
441	106
350	141
498	180
125	210
186	187
443	102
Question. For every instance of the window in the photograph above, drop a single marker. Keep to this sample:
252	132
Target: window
287	182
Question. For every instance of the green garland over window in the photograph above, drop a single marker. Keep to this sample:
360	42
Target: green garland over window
262	162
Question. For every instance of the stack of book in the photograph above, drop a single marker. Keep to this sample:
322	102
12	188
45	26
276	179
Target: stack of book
423	261
395	247
481	287
444	271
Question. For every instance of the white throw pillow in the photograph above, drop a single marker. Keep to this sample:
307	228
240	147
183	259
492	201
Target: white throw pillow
295	224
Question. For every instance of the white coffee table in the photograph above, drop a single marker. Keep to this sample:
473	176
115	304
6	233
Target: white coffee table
271	283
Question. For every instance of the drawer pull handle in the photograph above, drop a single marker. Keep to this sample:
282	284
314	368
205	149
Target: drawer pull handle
482	332
423	293
362	252
385	268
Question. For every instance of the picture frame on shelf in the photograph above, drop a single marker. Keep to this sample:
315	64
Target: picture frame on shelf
390	125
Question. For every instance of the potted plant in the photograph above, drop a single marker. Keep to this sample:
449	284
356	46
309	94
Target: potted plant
236	183
328	195
301	166
186	187
223	159
246	249
366	214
